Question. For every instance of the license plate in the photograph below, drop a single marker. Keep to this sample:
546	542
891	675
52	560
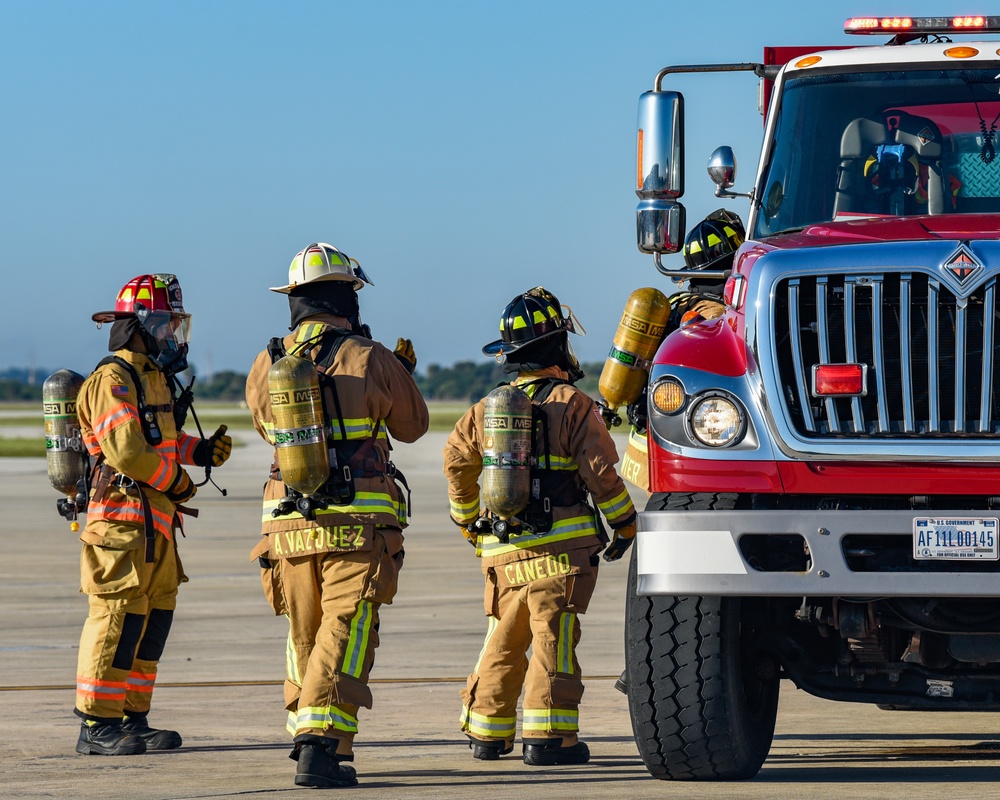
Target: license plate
955	537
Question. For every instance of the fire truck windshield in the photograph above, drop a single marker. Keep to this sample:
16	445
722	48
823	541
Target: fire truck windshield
887	143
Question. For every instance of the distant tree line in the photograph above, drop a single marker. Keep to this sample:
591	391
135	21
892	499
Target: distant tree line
469	381
465	381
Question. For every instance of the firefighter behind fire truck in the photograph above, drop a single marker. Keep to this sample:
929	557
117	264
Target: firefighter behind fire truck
710	245
129	567
540	560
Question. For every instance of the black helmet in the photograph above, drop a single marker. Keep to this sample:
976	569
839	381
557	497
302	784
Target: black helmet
529	318
713	242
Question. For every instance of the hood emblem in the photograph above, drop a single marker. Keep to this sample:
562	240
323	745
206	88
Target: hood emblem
962	263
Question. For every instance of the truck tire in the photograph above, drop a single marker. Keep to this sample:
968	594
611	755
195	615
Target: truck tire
702	699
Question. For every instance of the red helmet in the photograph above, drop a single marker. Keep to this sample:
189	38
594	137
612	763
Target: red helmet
155	301
145	292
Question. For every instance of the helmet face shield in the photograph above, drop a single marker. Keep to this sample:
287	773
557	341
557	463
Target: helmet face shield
166	335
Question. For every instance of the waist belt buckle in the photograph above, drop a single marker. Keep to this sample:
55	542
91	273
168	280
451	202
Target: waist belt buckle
347	474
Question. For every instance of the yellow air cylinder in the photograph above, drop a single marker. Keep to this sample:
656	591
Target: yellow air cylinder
505	485
65	455
642	328
299	434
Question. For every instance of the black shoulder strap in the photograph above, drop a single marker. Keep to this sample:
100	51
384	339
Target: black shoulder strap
147	415
276	348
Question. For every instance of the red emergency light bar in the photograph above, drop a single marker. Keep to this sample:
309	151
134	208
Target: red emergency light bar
919	25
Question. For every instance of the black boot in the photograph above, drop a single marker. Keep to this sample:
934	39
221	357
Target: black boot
156	739
107	739
489	751
319	765
550	752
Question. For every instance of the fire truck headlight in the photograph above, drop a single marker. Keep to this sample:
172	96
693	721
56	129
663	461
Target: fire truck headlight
717	421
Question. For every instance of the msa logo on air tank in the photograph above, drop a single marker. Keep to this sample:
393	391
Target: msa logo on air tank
59	407
285	398
513	423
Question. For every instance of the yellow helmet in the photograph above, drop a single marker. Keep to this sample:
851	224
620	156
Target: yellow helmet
322	262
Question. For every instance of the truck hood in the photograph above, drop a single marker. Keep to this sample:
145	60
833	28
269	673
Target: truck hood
889	229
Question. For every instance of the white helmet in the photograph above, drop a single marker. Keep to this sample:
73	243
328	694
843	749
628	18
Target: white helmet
322	262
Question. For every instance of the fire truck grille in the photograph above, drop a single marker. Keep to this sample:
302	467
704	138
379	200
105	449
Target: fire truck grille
932	358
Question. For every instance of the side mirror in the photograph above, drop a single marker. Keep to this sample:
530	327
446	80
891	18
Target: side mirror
722	167
722	171
660	172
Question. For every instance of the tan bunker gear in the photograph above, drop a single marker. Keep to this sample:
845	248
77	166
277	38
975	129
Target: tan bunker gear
538	583
330	575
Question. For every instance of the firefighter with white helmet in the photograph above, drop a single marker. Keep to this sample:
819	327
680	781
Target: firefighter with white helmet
541	564
330	556
129	564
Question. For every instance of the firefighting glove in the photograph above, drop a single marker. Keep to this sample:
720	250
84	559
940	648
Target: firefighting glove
637	414
469	533
404	353
620	542
214	451
182	489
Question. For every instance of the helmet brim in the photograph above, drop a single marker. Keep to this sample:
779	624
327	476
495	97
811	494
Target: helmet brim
357	283
111	316
502	348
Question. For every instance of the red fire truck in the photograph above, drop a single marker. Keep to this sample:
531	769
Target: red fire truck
825	458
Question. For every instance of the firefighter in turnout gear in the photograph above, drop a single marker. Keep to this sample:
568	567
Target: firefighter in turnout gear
129	566
330	557
710	245
539	579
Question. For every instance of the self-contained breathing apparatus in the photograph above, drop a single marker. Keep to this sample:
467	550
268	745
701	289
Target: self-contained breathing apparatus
519	486
314	457
71	469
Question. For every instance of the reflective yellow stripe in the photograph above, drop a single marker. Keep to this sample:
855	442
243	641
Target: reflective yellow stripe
464	512
558	462
489	727
322	718
551	719
364	503
292	659
571	528
491	626
617	505
637	440
357	644
564	644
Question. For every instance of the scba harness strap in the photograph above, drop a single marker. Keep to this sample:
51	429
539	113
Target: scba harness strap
102	476
349	458
549	487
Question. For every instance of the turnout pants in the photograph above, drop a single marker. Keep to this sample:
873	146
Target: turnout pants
543	615
132	605
332	601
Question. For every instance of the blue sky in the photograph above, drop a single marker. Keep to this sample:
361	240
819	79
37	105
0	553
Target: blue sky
462	152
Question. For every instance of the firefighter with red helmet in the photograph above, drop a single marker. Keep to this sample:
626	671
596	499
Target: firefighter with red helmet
129	566
329	561
540	579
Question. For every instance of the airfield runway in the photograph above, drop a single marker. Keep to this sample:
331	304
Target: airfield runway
219	681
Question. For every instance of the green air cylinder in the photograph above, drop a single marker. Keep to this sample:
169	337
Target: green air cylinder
65	455
505	485
299	435
642	328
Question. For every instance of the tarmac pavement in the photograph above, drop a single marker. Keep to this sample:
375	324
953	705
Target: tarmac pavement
220	679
